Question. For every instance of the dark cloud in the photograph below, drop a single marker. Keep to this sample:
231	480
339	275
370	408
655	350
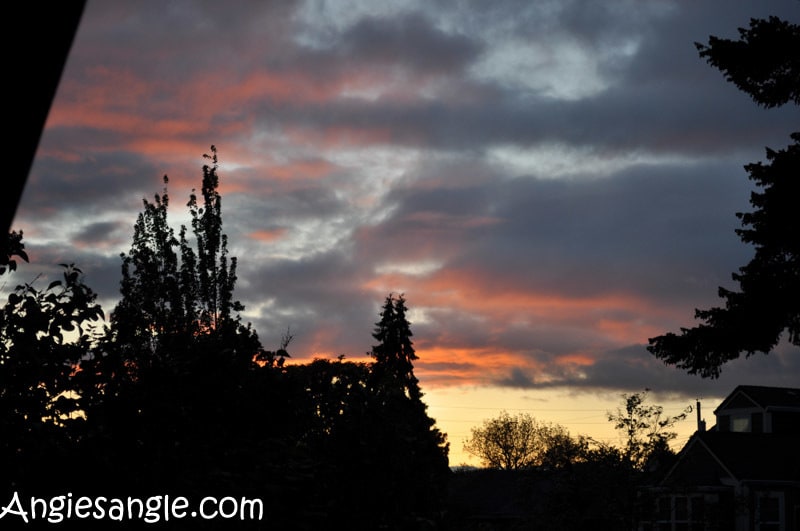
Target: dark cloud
632	369
98	234
86	181
646	230
549	182
407	41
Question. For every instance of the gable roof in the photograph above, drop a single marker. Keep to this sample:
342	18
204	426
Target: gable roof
710	456
763	397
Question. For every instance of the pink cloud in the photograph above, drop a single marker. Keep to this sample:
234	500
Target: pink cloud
302	169
502	308
268	235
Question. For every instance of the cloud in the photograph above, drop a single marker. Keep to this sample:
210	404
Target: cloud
550	183
632	368
407	41
99	235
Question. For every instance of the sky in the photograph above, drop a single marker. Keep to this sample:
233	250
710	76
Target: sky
549	183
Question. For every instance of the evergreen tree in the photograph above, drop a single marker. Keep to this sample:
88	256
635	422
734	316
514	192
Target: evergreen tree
394	354
764	63
406	462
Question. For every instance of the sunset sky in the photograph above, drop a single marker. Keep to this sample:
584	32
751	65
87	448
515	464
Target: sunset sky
550	183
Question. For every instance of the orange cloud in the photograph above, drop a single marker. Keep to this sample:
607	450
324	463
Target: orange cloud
501	309
268	235
467	290
468	365
630	331
283	87
582	360
303	169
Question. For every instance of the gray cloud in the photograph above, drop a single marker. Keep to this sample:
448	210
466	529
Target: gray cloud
407	41
632	368
509	150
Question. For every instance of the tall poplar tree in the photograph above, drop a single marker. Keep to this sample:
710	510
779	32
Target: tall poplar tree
180	362
150	310
215	272
179	291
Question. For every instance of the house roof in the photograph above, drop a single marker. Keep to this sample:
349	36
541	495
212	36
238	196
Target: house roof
763	397
709	456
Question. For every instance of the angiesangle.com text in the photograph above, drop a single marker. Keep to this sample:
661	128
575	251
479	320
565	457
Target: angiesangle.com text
151	510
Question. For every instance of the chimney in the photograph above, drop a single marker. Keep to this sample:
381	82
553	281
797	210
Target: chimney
701	424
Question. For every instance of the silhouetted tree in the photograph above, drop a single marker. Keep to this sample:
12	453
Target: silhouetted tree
44	335
174	294
517	442
645	428
12	246
394	354
765	64
151	311
406	455
177	375
214	273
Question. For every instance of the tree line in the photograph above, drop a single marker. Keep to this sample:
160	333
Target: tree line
174	393
551	479
518	442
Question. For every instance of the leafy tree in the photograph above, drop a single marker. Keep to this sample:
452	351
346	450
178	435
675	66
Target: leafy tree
562	450
179	366
44	335
765	64
13	246
645	429
176	294
518	442
151	309
214	273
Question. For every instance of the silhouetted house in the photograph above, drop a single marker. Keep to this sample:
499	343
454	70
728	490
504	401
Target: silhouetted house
741	475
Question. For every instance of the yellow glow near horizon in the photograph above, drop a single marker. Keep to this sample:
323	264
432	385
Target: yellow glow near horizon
459	409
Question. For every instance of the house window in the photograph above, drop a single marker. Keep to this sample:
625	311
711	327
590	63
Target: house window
680	513
769	511
740	423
